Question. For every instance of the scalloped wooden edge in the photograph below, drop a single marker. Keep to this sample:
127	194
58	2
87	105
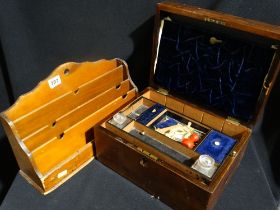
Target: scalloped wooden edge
59	70
40	87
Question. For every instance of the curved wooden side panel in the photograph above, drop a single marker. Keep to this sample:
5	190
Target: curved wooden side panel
21	153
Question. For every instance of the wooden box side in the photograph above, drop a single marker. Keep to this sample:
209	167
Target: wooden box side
161	182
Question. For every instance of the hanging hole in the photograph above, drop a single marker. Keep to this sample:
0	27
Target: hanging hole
76	91
61	135
124	96
118	86
66	72
54	123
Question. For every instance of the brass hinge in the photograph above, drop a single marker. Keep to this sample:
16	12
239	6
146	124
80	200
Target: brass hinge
232	120
162	91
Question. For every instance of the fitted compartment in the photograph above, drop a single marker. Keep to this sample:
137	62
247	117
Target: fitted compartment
172	152
226	126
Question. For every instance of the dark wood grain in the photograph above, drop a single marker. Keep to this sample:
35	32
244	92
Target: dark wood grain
230	21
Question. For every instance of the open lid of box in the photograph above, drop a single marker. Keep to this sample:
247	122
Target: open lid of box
222	63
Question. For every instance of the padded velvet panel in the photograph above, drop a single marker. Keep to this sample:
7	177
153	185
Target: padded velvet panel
226	76
150	114
217	145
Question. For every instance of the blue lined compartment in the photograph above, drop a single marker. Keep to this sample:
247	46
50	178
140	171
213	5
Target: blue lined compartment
216	145
150	114
167	122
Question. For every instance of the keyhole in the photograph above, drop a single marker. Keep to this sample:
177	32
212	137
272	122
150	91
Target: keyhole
214	40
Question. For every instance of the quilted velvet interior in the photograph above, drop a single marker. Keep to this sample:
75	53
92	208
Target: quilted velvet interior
212	69
217	145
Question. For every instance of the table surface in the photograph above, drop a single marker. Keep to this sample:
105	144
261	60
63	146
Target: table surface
98	187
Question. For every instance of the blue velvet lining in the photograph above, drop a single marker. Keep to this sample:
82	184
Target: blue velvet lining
166	123
225	76
150	114
219	150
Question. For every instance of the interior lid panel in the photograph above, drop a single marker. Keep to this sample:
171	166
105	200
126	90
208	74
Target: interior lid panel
218	68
